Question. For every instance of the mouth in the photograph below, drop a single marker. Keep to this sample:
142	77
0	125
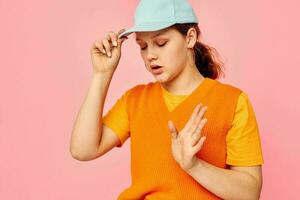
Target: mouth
155	66
156	69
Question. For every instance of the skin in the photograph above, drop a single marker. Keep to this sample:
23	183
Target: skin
179	69
176	57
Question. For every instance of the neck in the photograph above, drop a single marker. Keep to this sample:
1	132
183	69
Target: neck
185	83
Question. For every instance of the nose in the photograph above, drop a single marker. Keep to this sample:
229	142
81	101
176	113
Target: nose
150	56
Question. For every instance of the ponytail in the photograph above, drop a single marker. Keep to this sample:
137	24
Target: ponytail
205	56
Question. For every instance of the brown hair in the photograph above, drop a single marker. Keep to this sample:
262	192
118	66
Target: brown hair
205	56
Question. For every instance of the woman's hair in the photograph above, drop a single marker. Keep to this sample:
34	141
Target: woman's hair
205	56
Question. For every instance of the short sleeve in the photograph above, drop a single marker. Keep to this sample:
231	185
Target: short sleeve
243	140
117	119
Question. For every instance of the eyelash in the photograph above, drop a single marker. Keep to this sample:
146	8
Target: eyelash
158	45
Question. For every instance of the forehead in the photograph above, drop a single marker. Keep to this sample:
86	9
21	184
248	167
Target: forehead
151	34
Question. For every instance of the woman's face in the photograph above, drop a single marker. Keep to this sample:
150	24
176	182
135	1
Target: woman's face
166	48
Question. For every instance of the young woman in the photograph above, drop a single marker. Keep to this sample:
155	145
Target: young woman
192	137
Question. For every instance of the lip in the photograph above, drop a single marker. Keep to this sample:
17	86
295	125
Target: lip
157	71
154	65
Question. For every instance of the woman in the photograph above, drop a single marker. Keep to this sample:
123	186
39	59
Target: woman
192	137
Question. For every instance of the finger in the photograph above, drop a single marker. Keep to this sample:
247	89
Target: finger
106	46
202	111
113	38
172	129
199	145
198	119
201	125
194	125
193	116
198	132
99	46
120	32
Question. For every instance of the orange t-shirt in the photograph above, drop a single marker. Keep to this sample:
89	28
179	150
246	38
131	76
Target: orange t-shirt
243	143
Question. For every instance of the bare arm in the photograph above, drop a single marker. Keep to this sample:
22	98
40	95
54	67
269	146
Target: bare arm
87	130
234	183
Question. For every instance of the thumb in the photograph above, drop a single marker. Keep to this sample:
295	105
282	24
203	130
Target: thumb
120	42
121	31
122	39
172	129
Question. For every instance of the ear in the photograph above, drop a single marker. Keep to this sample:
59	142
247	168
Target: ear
191	37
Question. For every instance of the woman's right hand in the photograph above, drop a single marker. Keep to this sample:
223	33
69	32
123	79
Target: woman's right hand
106	56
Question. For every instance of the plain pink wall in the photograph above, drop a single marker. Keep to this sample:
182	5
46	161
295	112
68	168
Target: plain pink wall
46	71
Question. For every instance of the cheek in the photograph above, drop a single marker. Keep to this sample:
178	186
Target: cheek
175	56
146	62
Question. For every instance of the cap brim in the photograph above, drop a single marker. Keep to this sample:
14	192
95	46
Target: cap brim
147	26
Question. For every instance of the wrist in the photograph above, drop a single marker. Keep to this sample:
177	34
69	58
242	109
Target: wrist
102	75
197	167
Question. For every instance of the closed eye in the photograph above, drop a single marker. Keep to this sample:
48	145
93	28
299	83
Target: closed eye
160	45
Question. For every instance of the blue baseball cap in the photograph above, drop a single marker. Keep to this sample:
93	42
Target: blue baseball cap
153	15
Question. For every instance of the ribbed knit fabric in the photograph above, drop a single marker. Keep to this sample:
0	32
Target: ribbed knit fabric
155	173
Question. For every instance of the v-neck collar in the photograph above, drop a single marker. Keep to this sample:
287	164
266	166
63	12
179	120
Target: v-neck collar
190	101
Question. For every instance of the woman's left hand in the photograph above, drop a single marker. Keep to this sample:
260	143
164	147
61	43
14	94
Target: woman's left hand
188	141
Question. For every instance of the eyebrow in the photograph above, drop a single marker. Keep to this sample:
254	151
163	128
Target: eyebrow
160	33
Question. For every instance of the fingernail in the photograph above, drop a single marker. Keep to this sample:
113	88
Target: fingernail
103	51
109	54
115	43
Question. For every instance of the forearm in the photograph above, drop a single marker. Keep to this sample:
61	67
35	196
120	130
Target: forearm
86	134
225	183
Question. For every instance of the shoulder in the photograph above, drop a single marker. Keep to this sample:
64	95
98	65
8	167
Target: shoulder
244	105
225	90
227	86
244	98
140	89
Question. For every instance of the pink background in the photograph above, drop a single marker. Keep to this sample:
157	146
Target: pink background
46	71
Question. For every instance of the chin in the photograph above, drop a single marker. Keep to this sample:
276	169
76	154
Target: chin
162	78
